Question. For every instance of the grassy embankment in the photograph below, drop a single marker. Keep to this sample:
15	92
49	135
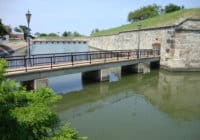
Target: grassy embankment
158	21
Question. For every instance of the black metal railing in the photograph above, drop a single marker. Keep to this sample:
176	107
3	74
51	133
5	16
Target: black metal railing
20	62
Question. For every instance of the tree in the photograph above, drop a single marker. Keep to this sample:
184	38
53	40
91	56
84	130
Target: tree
2	30
76	34
16	29
172	7
70	34
52	35
22	29
95	31
26	115
144	13
37	34
43	35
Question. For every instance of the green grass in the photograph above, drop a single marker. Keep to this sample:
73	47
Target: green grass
158	21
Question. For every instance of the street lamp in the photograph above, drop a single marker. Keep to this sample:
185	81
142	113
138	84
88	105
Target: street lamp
28	18
138	52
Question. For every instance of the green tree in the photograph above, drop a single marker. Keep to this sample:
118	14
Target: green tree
17	29
52	35
2	30
22	29
26	115
95	31
172	7
76	34
37	34
144	13
67	34
43	35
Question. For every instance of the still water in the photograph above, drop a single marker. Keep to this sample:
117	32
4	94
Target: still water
48	48
155	106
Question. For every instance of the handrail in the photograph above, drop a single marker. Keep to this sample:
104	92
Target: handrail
22	62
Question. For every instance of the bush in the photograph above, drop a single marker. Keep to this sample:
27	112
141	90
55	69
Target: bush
172	7
144	13
26	115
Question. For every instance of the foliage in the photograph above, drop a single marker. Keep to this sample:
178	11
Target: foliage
65	133
52	35
71	34
17	29
158	21
43	35
2	29
66	34
144	13
95	31
22	29
76	34
26	115
172	7
37	34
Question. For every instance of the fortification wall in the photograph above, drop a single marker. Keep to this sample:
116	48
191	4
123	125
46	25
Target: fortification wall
180	44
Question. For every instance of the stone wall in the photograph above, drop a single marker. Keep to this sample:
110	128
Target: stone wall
180	44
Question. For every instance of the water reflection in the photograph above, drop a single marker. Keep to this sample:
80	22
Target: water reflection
178	95
65	83
161	104
174	94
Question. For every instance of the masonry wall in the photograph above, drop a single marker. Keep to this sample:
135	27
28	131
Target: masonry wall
180	44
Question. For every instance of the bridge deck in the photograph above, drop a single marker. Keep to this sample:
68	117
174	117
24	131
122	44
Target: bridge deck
19	66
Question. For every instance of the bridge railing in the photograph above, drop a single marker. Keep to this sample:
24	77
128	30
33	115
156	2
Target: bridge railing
24	63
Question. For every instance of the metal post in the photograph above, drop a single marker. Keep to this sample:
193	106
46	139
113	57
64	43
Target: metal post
138	51
51	62
72	59
90	59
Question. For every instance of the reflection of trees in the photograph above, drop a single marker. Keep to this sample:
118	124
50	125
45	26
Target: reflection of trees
177	95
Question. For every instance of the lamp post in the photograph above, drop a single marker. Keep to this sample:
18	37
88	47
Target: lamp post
28	18
138	52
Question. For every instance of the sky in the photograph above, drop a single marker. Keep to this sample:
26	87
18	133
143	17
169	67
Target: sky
76	15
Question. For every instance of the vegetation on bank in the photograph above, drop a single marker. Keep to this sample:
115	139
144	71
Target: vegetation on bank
26	115
157	21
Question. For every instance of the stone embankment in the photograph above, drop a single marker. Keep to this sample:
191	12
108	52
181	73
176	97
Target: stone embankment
179	44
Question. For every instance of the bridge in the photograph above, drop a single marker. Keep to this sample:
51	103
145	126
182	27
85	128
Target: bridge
94	65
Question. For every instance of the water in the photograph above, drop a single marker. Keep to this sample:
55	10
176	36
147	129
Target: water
155	106
43	48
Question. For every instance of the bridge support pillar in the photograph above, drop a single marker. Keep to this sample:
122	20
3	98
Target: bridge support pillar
40	83
137	68
34	84
143	68
105	74
110	74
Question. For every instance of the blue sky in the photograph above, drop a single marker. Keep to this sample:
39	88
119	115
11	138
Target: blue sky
75	15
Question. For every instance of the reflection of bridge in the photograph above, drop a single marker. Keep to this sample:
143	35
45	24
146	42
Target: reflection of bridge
95	65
